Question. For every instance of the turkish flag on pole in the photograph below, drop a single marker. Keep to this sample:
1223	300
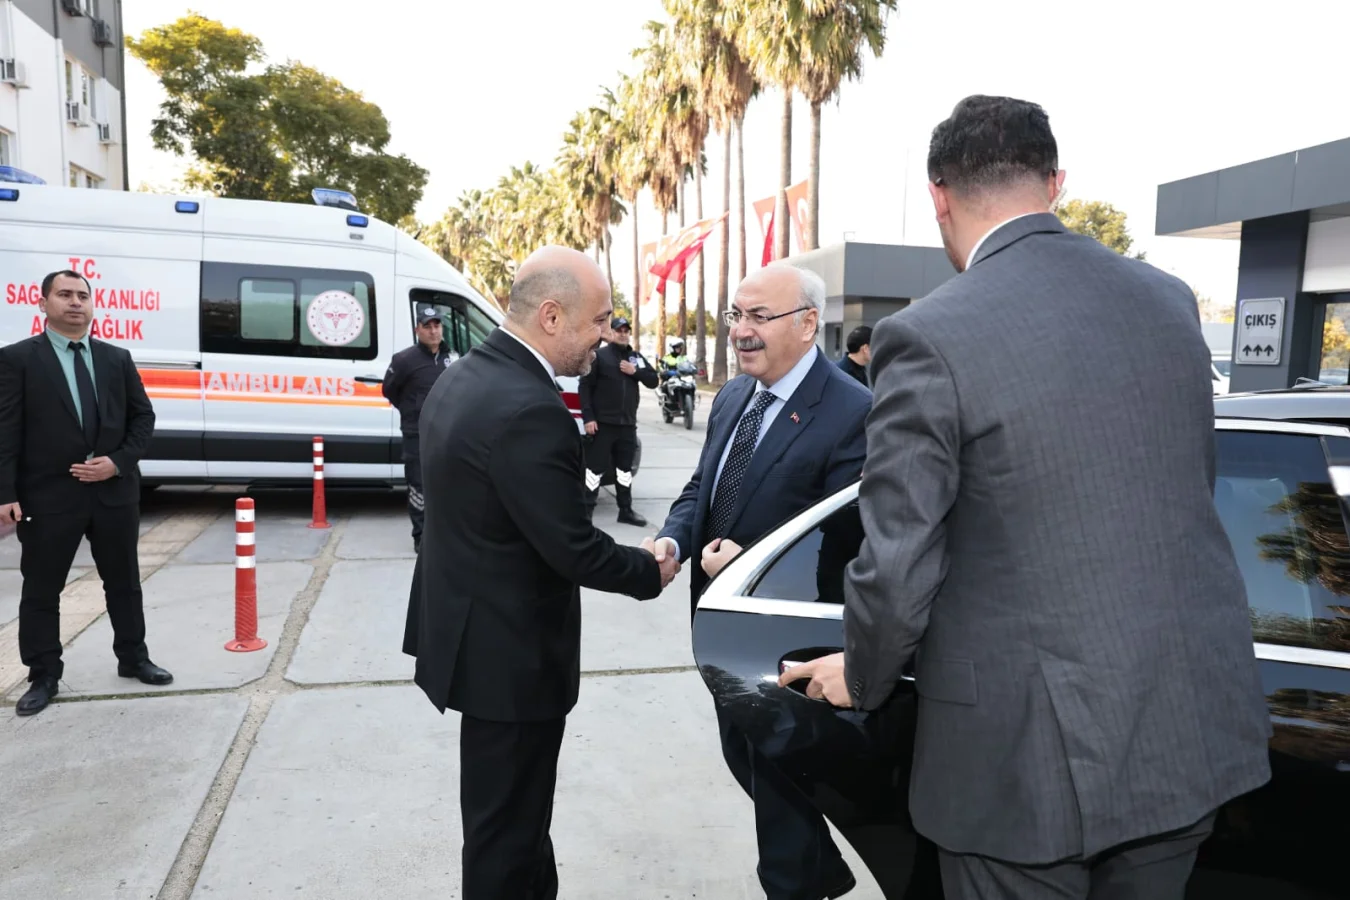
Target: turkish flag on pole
673	259
765	213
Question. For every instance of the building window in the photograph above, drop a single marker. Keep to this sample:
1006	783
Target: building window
1335	364
70	82
79	178
6	149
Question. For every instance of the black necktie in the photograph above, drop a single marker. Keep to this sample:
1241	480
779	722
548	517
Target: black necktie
84	383
738	461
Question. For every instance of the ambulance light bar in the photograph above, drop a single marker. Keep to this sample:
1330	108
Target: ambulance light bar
18	176
331	197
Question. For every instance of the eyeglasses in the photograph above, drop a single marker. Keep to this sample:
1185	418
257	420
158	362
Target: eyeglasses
733	316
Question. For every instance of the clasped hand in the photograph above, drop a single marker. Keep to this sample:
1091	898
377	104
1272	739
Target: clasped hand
664	551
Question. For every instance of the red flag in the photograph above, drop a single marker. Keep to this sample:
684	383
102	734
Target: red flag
764	211
673	260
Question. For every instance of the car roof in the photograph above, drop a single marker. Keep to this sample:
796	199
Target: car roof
1307	401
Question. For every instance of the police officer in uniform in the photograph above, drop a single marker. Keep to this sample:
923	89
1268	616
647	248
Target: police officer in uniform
609	402
411	374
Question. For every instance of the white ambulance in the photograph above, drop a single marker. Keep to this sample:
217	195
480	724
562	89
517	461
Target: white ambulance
255	326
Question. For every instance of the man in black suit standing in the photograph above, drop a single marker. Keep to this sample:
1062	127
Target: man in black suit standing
74	423
495	613
855	362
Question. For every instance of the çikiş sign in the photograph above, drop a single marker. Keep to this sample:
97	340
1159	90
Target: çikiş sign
1260	325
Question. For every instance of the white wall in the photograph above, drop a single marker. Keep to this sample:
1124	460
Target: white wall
1326	264
43	142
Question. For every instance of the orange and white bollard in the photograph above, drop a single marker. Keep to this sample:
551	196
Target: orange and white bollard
320	517
245	580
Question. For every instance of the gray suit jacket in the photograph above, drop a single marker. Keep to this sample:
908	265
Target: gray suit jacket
1038	504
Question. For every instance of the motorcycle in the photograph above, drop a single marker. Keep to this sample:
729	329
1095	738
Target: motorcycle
678	392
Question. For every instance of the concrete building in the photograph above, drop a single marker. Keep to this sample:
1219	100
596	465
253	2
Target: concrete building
867	282
1292	215
62	113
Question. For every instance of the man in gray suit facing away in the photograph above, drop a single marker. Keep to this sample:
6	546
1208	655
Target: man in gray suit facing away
1042	542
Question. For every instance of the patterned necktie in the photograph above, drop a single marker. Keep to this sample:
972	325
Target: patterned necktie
738	461
84	385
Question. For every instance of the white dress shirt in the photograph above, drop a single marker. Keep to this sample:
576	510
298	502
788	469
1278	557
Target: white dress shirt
783	389
976	249
548	367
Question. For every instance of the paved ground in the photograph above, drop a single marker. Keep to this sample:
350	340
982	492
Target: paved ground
314	768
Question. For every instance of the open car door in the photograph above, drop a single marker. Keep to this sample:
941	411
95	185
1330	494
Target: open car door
779	603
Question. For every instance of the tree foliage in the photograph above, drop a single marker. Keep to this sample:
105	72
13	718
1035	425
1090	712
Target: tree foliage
269	131
1098	220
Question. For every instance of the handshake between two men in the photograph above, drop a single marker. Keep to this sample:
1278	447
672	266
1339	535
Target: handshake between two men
714	558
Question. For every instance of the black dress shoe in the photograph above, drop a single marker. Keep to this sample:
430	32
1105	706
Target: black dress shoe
37	697
628	517
146	672
843	887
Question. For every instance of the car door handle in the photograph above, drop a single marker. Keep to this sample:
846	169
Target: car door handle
369	379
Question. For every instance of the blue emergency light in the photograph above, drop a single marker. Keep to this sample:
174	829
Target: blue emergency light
333	197
186	206
18	176
9	193
358	221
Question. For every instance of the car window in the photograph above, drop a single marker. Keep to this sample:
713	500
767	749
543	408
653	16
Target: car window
463	325
1283	518
812	569
1224	366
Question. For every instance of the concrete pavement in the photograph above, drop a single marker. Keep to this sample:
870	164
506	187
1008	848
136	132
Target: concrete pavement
314	768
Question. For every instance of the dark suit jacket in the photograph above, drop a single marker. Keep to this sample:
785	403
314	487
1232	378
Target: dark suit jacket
796	463
494	618
1040	522
40	434
854	371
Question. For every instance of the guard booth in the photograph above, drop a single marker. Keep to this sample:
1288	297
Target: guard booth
864	283
1291	214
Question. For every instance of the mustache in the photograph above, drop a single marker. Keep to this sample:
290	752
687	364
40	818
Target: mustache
749	343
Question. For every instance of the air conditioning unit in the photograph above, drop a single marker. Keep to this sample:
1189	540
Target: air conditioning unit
73	7
105	133
13	72
103	33
77	113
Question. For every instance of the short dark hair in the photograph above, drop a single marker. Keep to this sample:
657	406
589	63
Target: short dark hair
68	273
990	142
859	338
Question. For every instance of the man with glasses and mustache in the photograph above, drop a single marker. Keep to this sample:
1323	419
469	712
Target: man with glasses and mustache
784	434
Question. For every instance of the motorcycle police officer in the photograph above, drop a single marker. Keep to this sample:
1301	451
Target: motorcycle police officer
609	402
411	374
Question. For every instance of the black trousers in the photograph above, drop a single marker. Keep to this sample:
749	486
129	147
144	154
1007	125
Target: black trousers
508	771
412	474
1155	868
49	546
612	447
798	859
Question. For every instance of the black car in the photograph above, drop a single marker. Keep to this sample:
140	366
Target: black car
1283	493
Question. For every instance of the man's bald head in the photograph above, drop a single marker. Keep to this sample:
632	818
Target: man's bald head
560	303
552	273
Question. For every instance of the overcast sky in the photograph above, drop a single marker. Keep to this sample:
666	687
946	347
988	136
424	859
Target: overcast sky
1139	93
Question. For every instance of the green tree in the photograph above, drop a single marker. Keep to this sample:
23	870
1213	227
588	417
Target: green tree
1098	220
269	134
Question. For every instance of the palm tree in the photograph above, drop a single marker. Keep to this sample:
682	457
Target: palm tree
631	175
662	141
587	165
726	88
769	36
832	43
